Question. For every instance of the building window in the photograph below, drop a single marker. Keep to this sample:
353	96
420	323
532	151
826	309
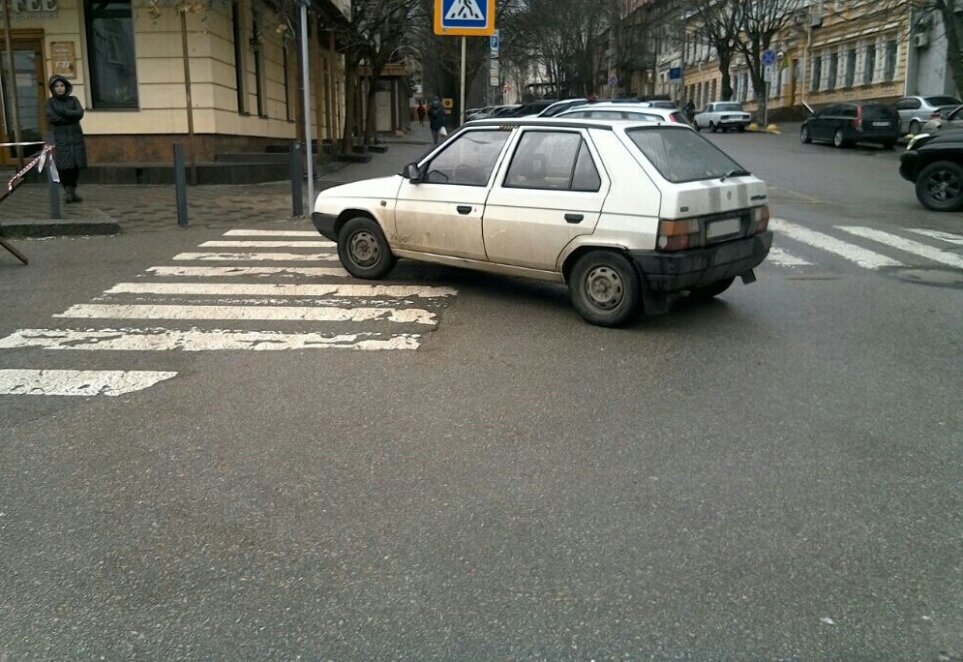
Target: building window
850	67
817	73
110	49
869	65
833	68
890	71
238	57
256	45
286	61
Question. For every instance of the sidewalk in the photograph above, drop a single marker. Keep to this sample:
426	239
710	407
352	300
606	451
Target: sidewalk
144	208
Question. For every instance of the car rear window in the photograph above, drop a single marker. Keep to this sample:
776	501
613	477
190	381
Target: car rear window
878	112
942	101
728	107
682	155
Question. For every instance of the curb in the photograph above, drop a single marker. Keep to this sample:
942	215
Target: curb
52	227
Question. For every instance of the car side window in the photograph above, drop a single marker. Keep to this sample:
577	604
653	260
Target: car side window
581	114
468	160
558	161
908	104
956	114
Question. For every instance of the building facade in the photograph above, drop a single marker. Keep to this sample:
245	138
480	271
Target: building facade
224	78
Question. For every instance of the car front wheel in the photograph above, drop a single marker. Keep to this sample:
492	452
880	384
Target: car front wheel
604	287
939	186
363	249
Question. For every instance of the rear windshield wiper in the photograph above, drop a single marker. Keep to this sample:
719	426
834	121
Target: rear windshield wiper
734	173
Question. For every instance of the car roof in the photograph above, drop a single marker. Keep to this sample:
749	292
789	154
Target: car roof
638	106
552	122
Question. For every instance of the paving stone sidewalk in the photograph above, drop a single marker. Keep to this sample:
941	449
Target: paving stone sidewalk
140	208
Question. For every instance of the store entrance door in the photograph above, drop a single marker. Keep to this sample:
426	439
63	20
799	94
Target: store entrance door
31	84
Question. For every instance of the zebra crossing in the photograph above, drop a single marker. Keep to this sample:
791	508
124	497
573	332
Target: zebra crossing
194	306
266	281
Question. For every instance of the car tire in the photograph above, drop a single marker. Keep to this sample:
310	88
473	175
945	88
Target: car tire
838	139
741	129
709	291
889	144
939	186
697	127
363	249
804	136
713	127
915	127
605	288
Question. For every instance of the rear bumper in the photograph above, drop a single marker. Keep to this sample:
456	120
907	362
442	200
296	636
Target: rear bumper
325	223
739	121
672	272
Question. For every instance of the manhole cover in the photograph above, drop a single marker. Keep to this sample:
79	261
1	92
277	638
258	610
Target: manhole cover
942	277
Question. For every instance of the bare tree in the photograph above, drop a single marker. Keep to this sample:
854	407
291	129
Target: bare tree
717	25
760	21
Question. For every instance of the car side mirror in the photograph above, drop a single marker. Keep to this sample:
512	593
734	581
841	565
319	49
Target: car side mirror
412	173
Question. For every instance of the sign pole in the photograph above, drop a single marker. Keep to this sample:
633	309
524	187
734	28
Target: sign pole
306	83
461	101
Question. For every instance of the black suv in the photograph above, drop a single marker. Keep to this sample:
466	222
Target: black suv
935	164
847	123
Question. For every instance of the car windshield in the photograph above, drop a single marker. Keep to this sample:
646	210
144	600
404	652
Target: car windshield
942	101
728	106
682	155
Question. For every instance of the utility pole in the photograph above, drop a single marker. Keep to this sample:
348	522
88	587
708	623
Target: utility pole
306	78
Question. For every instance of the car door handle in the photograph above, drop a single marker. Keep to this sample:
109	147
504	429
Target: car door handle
574	218
463	209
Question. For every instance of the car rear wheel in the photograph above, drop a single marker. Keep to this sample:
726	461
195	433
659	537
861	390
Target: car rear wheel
363	249
604	287
939	186
915	127
712	125
804	136
838	139
709	291
889	144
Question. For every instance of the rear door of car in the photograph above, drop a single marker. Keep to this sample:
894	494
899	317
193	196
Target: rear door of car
907	108
879	121
548	192
819	126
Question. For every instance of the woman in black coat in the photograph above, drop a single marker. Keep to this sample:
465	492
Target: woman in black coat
64	113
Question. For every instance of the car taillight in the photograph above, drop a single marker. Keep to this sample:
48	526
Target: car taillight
760	219
935	114
679	235
858	122
675	117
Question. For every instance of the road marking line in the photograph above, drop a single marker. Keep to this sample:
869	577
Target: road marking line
305	313
948	237
784	259
197	340
907	245
282	289
271	233
78	382
864	258
258	257
268	244
207	272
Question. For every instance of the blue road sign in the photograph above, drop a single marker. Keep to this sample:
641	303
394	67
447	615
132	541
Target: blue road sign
769	57
495	40
675	73
464	14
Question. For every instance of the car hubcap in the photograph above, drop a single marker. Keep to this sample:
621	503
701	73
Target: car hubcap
943	186
838	138
603	285
364	249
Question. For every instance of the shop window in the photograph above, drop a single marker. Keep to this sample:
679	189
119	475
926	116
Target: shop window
110	51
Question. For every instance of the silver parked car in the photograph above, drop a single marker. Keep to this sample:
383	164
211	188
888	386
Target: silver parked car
946	119
916	111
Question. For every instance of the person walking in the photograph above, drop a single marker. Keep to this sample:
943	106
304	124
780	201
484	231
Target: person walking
422	111
436	119
64	113
690	111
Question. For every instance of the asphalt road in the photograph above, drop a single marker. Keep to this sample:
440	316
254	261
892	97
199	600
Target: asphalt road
772	475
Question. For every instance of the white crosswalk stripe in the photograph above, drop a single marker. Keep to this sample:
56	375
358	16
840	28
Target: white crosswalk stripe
78	382
948	237
906	245
289	294
784	259
861	256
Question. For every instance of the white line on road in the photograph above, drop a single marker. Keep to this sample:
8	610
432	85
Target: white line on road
268	244
282	289
948	237
271	233
784	259
864	258
207	272
305	313
258	257
196	340
78	382
907	245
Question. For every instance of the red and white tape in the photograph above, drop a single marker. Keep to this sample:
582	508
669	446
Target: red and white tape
39	161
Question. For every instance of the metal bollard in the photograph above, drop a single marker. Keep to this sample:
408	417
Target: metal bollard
53	190
297	197
180	185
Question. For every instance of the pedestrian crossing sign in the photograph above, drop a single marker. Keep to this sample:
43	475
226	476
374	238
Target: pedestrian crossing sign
465	18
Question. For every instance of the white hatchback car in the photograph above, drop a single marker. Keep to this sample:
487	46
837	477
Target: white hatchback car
624	111
623	212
